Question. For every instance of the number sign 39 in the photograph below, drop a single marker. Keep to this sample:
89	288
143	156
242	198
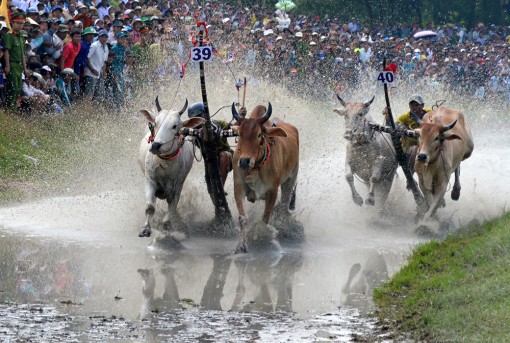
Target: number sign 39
386	77
201	53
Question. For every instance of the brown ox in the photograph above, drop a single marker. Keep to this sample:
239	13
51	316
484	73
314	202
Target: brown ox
444	141
266	157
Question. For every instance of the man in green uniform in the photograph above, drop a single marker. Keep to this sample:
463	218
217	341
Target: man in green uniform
15	62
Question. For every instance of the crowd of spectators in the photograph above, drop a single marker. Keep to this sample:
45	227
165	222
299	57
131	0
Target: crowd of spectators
57	53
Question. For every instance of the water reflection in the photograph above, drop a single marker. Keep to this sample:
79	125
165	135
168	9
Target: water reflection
363	279
83	279
256	283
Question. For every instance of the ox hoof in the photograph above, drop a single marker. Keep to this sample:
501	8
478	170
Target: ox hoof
370	201
358	200
145	233
455	193
241	249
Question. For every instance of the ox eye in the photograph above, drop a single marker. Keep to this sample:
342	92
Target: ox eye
174	127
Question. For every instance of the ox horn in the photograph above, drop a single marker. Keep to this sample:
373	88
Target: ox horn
449	127
368	103
341	101
236	115
184	107
266	115
158	106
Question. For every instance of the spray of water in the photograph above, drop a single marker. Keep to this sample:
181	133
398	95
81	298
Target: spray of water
110	173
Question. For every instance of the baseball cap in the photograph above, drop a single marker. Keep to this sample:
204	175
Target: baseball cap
46	68
299	34
103	33
62	28
416	98
121	34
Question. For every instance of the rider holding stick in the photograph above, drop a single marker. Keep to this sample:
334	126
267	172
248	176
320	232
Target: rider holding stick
408	121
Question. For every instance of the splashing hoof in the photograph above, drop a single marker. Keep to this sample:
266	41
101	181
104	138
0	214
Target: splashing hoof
370	201
145	233
358	200
241	249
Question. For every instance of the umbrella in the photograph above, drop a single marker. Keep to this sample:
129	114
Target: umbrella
425	34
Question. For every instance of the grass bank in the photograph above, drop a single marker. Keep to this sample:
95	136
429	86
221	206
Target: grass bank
457	290
47	154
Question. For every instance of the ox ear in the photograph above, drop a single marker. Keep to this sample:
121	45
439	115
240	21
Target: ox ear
193	122
451	136
148	116
340	112
275	132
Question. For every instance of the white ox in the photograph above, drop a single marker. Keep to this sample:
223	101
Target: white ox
370	154
166	158
444	141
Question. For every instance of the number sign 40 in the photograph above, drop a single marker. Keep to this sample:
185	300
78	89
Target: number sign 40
386	77
201	54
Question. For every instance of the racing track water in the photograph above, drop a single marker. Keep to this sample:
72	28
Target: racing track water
73	269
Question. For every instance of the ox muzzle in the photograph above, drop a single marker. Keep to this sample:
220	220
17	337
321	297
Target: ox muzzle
422	157
244	163
155	146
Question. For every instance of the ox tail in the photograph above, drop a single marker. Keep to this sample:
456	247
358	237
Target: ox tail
292	204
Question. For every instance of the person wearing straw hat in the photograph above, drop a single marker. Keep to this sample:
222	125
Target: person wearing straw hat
15	62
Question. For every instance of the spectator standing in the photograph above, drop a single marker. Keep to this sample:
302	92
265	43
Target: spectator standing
102	9
47	44
96	62
15	63
69	54
58	41
117	27
118	64
80	63
2	82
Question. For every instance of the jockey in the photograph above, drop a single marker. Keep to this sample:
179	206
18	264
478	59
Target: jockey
409	121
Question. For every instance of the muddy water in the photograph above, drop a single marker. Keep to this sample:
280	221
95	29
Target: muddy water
73	269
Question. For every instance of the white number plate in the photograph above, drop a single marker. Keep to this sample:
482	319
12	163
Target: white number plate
201	54
386	77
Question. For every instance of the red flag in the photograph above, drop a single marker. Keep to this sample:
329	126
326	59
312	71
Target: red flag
392	67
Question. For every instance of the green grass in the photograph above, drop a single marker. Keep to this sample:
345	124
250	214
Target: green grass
65	145
454	291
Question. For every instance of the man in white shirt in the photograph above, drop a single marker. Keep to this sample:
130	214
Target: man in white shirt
95	70
103	9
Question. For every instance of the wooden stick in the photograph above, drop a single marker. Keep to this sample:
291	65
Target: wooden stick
244	92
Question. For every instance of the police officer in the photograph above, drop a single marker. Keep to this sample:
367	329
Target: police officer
15	62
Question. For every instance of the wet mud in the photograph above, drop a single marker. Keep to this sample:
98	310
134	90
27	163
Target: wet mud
73	269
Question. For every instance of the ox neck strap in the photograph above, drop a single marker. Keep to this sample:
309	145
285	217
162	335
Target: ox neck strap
265	157
176	153
171	156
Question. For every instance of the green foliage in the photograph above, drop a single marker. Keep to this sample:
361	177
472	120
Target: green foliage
457	290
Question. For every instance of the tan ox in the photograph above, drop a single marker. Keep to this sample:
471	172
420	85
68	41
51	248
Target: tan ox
266	157
444	141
